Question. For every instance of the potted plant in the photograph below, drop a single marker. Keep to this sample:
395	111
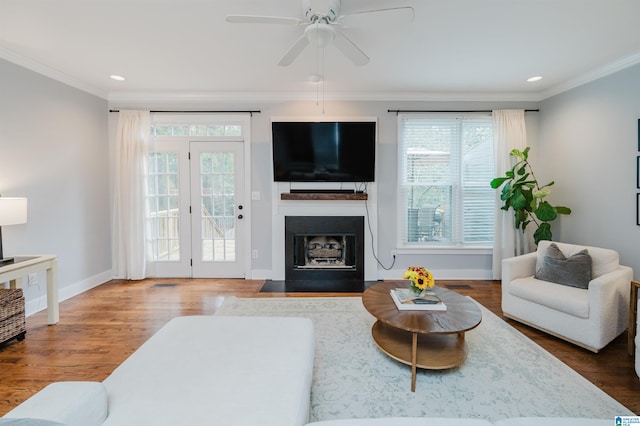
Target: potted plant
523	193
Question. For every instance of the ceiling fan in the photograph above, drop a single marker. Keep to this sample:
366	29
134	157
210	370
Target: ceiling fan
321	17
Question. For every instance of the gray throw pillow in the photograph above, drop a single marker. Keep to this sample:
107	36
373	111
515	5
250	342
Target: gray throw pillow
574	271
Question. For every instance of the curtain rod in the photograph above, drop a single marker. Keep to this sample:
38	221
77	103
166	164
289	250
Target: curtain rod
197	112
397	111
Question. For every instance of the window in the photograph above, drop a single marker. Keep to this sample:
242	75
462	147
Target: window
196	130
445	167
162	206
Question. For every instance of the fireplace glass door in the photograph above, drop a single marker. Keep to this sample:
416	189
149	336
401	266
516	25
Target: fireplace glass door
324	248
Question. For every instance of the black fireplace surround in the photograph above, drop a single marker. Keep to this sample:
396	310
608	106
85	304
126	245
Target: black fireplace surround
324	248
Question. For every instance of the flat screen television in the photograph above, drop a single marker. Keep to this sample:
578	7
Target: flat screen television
342	151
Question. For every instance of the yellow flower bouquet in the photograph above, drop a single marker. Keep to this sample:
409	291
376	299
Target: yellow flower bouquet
421	278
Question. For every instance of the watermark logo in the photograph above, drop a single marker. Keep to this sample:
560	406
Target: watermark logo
627	420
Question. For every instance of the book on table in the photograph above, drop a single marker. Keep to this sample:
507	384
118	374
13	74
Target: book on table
406	300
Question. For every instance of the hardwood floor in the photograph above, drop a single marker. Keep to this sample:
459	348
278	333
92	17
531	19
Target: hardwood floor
100	328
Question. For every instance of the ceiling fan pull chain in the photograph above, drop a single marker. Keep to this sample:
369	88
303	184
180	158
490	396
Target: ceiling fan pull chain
323	80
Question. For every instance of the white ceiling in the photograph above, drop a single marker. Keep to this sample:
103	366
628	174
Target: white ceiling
463	48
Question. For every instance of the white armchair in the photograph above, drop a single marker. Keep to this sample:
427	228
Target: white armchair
590	318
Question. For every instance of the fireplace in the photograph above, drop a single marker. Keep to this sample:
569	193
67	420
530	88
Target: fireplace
324	248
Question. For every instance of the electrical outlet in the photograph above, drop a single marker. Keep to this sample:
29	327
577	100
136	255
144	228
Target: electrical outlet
393	253
254	254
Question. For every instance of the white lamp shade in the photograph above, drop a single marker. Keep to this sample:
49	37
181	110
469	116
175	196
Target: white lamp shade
13	211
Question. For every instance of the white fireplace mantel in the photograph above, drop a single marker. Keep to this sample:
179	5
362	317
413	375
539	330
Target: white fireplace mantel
282	208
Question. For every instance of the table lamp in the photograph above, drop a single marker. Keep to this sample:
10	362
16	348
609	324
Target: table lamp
13	211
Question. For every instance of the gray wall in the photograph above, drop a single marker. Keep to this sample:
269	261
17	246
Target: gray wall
588	145
444	264
53	150
461	264
54	146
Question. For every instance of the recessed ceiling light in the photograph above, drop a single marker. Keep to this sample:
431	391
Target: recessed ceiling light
536	78
117	77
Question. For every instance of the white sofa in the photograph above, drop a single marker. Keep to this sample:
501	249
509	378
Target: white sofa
589	318
230	371
199	370
400	421
435	421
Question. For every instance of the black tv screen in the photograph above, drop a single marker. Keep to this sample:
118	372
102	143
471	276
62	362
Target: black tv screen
324	151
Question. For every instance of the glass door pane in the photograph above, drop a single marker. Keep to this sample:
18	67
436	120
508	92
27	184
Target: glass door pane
217	204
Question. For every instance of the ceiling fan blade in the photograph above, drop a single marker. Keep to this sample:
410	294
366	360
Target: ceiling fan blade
294	51
349	49
379	18
257	19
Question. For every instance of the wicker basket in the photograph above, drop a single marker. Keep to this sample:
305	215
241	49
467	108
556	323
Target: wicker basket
12	322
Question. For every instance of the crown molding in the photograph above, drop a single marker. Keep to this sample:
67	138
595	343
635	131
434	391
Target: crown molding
52	73
122	99
611	68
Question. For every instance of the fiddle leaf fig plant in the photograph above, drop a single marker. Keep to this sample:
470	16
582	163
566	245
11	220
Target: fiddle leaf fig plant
522	193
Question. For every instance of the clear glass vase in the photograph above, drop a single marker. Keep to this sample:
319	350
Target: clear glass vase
418	292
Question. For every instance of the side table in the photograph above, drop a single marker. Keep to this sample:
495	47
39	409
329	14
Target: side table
25	265
633	315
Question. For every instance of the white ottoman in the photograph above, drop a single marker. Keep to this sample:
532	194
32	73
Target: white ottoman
215	370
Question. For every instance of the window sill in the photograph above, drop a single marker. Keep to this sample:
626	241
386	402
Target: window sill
476	251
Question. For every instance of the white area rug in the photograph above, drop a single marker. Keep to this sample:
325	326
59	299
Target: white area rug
505	375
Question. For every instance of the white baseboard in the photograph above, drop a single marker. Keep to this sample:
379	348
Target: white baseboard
396	274
40	303
260	274
442	274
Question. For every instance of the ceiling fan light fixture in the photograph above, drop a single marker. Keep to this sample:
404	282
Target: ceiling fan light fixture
323	22
319	34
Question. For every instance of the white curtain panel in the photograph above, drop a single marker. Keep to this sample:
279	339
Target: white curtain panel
129	239
509	132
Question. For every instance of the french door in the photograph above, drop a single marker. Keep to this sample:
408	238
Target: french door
217	209
196	212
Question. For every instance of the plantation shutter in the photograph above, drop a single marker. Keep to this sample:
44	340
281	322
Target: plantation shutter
445	166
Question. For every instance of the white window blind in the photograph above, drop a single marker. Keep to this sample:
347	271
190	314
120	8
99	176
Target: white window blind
445	166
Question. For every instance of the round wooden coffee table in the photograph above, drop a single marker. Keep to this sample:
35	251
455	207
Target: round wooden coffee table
422	339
